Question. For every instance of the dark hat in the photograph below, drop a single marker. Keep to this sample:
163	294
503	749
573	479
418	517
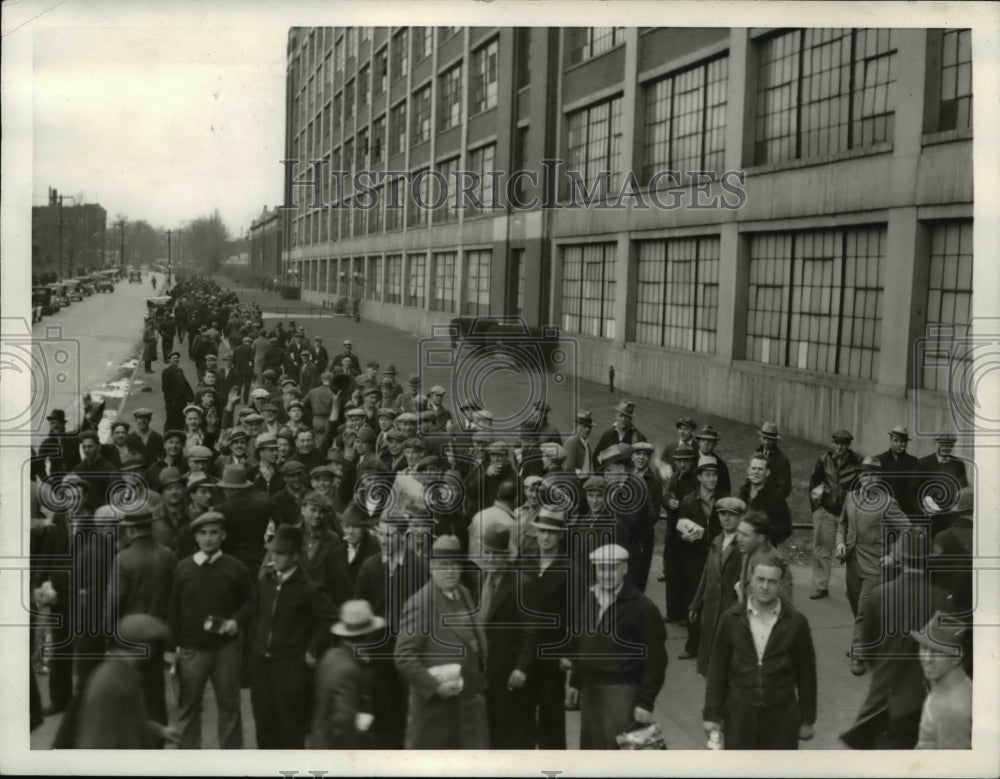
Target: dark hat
314	498
584	418
175	434
234	477
367	434
390	369
269	407
626	407
391	413
370	389
142	412
413	443
208	518
88	434
334	455
496	538
170	476
322	470
133	464
595	483
871	464
687	422
731	505
286	433
295	404
842	435
356	619
291	467
137	518
446	548
395	435
355	515
172	354
942	632
616	453
427	416
414	379
287	540
196	480
57	414
241	435
683	451
372	364
708	432
387	381
550	519
769	430
900	431
945	438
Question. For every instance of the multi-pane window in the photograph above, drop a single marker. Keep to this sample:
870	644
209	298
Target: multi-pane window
686	120
351	37
481	166
588	289
361	161
446	189
375	212
420	198
956	80
445	33
360	217
521	183
327	75
483	75
338	54
400	55
949	306
394	278
421	115
595	143
395	193
677	293
416	279
423	42
814	300
478	266
822	91
378	140
338	109
349	162
397	129
373	279
364	87
587	42
349	101
381	71
443	282
345	218
450	87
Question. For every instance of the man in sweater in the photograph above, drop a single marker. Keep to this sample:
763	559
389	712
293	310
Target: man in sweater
832	478
212	598
292	619
618	654
761	684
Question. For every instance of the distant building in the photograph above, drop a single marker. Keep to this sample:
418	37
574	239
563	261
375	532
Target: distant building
804	209
75	248
267	242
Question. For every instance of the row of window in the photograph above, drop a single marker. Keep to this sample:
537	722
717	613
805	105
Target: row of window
409	285
813	298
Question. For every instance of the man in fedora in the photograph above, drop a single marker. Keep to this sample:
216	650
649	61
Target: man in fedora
441	653
618	653
548	572
628	511
390	373
177	392
143	439
267	477
292	619
344	716
778	466
897	464
539	421
359	543
621	432
211	600
685	435
937	480
388	580
248	512
831	480
411	401
141	578
579	457
706	440
171	522
683	480
60	451
347	352
868	512
288	499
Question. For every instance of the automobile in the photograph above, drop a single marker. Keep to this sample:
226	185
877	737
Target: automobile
41	303
135	277
59	296
105	282
156	304
73	291
87	287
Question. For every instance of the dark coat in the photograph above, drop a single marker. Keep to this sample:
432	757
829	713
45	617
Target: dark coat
99	474
895	474
141	579
511	636
389	594
111	713
151	450
611	436
292	619
715	594
176	389
369	546
771	503
949	476
328	567
788	668
61	452
247	516
243	360
781	470
343	689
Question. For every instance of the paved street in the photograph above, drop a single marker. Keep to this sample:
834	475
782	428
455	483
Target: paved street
679	704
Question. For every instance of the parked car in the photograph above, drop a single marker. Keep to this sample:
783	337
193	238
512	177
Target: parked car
105	282
41	299
59	297
134	277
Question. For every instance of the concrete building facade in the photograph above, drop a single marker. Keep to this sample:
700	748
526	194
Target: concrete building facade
760	223
267	243
67	239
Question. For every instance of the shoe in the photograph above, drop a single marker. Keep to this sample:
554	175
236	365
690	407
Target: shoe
54	708
686	656
661	578
858	667
819	594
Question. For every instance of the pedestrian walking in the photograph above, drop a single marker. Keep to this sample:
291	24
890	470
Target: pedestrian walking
149	339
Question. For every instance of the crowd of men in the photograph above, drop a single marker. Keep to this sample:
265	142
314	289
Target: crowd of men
383	572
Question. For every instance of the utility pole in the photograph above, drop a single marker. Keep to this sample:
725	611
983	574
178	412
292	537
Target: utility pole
170	265
121	251
60	225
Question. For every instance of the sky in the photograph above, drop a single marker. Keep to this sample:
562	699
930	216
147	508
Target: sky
162	124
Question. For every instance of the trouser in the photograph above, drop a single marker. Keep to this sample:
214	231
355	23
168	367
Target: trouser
761	727
153	685
191	335
60	655
547	688
606	710
390	698
824	536
692	562
859	591
279	695
89	651
148	366
195	667
644	559
175	417
510	715
168	346
181	329
678	596
243	382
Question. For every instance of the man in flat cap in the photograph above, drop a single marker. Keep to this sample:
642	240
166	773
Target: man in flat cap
347	352
98	472
211	600
411	400
267	478
937	479
778	467
618	653
629	508
177	392
579	457
143	439
685	435
831	480
621	432
435	404
946	718
706	440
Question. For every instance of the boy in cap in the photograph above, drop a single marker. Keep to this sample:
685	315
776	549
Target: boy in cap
293	617
211	599
832	478
618	653
707	439
946	718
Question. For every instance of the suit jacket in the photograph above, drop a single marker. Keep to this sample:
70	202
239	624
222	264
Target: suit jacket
343	689
243	360
949	476
141	578
715	594
176	389
151	450
769	501
99	474
611	436
895	474
247	516
511	635
369	546
781	470
387	593
579	456
328	567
